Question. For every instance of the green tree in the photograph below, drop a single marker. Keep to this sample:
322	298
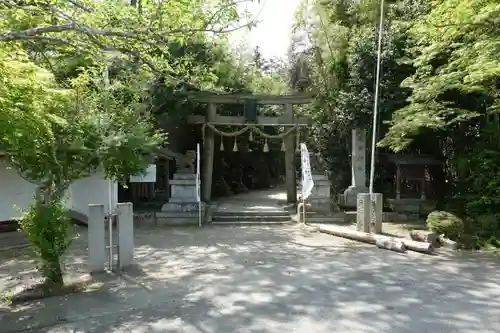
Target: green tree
61	123
339	67
54	137
142	31
457	69
455	100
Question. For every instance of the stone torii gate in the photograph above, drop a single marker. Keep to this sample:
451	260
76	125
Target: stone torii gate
287	119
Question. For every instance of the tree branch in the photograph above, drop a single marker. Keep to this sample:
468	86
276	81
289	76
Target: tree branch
136	34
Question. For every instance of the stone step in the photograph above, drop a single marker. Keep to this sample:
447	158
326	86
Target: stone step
250	223
251	218
326	219
252	213
177	221
177	214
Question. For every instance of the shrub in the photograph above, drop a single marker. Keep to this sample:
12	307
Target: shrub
447	224
48	228
487	225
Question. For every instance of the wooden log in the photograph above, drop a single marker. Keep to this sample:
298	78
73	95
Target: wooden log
349	234
424	236
447	243
364	237
421	247
390	243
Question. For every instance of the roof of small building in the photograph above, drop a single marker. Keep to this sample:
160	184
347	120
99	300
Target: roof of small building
168	154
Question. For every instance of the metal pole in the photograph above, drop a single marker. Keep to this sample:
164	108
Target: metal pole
375	104
198	183
110	183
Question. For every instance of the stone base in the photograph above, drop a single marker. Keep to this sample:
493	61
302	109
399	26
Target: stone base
180	207
350	197
323	206
180	213
179	219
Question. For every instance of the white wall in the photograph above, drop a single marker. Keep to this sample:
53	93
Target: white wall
92	190
16	193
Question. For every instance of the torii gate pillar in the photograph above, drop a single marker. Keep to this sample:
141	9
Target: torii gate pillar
291	176
208	156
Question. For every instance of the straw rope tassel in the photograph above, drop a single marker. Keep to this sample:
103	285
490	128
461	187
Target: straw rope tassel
251	137
235	147
221	144
266	147
283	147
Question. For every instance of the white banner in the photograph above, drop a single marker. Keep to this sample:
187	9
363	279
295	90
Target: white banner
307	180
148	177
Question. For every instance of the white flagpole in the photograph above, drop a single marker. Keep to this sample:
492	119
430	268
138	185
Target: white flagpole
198	179
376	99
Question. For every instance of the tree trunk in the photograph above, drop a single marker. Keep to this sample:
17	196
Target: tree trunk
52	234
51	269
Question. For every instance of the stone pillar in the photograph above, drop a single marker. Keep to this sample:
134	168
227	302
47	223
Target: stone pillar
208	156
363	212
291	176
96	239
125	228
358	167
320	199
376	212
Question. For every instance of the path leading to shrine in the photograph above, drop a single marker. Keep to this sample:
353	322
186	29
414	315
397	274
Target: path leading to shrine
252	208
260	200
270	279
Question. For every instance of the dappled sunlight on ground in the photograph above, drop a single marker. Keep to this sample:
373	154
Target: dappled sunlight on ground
284	279
18	267
260	200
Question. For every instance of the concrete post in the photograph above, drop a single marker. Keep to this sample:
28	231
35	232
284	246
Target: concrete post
376	212
96	239
363	212
125	228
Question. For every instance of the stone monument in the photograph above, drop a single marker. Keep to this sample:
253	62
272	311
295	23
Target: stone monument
369	208
182	207
319	205
358	168
320	199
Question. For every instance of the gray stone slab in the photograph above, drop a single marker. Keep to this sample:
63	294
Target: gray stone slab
363	212
376	212
96	239
125	234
